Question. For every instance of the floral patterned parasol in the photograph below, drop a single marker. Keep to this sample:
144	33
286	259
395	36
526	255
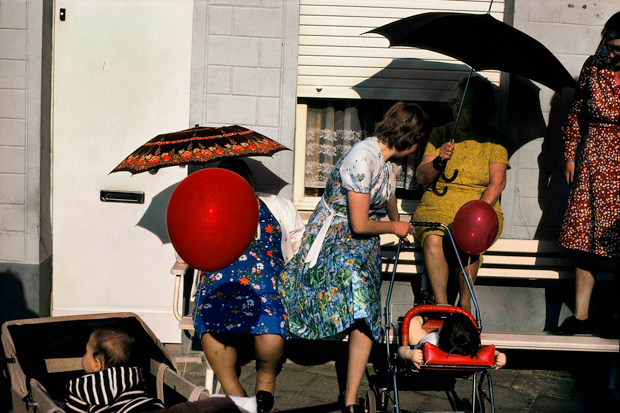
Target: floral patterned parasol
198	145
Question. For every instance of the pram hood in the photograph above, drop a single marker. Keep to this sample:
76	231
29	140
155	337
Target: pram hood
37	346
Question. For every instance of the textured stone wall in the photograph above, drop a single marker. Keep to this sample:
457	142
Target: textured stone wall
244	71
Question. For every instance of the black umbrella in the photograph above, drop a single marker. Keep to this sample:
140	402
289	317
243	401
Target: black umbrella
482	42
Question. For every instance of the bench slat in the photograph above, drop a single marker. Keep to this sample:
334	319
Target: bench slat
546	341
514	260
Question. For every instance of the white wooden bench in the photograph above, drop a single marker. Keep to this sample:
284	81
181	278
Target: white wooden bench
513	259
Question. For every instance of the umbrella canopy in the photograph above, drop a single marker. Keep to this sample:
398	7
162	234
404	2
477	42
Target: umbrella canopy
482	42
198	145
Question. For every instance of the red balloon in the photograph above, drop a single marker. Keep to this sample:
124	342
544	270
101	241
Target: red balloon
475	227
212	218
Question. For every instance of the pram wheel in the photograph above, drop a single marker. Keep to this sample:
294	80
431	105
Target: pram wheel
370	405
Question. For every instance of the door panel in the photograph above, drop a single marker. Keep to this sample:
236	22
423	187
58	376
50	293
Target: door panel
121	76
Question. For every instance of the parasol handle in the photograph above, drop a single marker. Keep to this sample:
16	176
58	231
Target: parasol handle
445	178
456	123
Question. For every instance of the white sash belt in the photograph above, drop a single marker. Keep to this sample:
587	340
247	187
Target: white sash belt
315	249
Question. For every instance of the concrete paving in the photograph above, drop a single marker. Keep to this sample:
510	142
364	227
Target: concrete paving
531	382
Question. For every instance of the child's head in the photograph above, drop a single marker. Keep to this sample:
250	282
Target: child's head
108	346
458	335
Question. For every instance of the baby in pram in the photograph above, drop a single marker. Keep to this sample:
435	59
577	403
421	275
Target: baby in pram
457	335
113	382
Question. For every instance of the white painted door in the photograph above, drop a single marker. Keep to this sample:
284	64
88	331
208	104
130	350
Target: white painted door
121	76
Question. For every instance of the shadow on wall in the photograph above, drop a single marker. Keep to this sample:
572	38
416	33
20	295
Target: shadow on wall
421	79
264	179
526	124
12	302
552	187
154	218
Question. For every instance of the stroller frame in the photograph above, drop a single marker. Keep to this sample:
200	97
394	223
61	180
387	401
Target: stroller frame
29	393
393	360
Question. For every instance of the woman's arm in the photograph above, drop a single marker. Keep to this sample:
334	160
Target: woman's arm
359	205
497	173
427	171
392	210
571	131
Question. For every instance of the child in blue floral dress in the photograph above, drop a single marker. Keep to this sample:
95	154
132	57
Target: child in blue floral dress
241	301
333	283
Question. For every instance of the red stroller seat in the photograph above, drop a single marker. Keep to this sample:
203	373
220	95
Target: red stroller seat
434	357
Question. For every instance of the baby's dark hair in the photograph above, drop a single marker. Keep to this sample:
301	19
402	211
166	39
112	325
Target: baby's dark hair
115	343
459	335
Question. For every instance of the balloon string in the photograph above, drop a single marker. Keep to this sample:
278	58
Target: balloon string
468	271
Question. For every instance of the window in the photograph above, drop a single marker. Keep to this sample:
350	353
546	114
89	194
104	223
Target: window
347	80
327	128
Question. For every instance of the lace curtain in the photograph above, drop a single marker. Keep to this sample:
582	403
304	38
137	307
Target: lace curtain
336	125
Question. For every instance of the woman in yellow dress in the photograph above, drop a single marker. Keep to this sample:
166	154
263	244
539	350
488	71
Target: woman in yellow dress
481	158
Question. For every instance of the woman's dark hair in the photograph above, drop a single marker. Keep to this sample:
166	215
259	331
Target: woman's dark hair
237	166
116	343
404	125
611	30
480	95
459	335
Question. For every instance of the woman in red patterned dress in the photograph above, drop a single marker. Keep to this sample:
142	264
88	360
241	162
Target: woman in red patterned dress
591	223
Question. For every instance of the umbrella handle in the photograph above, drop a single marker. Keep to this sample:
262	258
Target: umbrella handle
445	178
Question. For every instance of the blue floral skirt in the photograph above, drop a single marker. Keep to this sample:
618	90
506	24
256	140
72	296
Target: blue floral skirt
241	314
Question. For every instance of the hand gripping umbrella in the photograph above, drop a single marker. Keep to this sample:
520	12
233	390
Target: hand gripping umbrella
483	43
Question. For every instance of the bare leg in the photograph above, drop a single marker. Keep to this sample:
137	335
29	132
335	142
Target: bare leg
436	267
360	345
585	277
464	295
222	357
269	349
584	283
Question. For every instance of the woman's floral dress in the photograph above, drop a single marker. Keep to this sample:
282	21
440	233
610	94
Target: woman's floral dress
592	218
344	283
243	298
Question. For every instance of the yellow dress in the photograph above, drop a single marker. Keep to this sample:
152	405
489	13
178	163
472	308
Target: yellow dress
474	151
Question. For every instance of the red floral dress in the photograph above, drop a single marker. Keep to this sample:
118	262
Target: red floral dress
592	218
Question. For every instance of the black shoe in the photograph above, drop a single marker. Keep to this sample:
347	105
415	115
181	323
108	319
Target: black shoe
425	298
353	408
572	326
264	401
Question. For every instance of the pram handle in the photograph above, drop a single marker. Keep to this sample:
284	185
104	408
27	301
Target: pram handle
425	224
428	308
